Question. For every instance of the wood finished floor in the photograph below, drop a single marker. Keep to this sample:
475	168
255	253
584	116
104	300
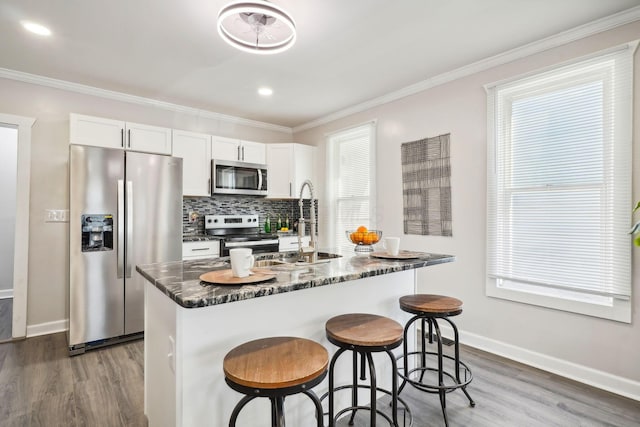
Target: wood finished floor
40	385
6	314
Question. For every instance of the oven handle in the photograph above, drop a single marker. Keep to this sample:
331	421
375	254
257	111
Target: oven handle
251	243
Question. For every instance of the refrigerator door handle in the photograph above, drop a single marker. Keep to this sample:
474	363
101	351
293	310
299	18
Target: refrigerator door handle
120	242
129	245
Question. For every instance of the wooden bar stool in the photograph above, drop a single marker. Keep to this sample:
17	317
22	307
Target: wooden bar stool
427	309
364	334
275	368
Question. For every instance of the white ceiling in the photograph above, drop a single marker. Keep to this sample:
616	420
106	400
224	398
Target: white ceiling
347	52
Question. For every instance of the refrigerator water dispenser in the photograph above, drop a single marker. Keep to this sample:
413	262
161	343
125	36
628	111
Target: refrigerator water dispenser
97	233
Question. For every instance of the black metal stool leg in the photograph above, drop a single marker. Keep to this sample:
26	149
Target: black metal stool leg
457	360
405	349
394	389
354	390
316	401
442	392
374	385
332	366
238	408
277	411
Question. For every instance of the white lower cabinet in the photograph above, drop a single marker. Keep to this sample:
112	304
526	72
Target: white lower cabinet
290	243
200	249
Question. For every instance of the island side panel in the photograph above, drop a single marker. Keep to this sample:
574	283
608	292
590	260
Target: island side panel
160	386
207	334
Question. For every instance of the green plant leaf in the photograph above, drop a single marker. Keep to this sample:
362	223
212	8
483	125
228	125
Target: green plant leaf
637	206
637	241
635	228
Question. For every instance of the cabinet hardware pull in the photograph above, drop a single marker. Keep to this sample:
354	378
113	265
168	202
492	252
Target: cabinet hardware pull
122	138
129	132
200	249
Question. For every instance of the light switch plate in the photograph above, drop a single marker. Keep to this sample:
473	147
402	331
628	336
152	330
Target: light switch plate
56	215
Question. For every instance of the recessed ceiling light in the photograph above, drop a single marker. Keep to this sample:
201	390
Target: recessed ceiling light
38	29
265	91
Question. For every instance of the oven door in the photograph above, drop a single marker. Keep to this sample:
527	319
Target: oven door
228	177
258	246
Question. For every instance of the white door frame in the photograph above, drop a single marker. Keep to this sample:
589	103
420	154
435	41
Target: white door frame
21	244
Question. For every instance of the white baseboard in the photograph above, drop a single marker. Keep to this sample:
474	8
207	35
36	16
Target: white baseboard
584	374
6	293
47	328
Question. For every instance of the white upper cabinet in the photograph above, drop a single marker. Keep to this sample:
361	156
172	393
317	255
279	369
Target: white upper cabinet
195	151
88	130
289	166
148	139
108	133
238	150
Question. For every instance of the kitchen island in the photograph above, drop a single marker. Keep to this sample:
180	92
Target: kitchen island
190	325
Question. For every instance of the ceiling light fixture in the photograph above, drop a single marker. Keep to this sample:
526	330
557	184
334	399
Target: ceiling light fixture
265	91
38	29
256	27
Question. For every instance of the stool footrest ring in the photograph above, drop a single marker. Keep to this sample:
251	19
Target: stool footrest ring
434	388
404	406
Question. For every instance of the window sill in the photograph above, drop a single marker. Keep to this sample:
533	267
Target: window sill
602	307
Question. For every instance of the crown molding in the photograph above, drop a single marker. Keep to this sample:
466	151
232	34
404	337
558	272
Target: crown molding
133	99
577	33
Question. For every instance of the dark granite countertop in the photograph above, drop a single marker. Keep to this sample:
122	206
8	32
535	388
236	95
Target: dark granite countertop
179	280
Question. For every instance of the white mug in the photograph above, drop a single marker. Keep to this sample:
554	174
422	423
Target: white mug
392	245
241	261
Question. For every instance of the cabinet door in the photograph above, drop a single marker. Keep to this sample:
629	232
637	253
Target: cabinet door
148	139
225	148
195	151
96	131
303	168
279	161
253	152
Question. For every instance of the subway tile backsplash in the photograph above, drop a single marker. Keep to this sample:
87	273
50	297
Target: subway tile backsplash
239	205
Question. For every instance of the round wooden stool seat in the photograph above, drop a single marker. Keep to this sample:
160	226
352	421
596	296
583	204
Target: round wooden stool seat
363	330
276	362
431	305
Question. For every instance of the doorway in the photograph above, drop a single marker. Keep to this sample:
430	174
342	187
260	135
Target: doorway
8	175
19	130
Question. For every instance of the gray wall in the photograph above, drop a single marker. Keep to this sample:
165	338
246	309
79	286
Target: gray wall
8	159
459	107
48	242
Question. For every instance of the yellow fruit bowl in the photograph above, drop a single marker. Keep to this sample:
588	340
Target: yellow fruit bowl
364	239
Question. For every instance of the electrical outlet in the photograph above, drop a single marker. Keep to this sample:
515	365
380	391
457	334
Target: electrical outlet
193	216
56	215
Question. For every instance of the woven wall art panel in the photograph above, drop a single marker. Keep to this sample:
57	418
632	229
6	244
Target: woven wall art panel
426	186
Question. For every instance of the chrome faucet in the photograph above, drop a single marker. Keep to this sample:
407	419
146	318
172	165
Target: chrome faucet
309	256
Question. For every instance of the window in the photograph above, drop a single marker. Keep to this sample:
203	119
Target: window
559	187
351	185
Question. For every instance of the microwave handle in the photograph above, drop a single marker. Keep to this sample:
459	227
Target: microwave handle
259	179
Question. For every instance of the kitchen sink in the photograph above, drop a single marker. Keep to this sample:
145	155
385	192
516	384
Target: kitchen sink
291	260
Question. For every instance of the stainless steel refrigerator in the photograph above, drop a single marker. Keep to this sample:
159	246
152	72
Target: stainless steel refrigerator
125	209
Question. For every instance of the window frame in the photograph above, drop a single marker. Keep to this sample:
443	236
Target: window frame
498	115
336	238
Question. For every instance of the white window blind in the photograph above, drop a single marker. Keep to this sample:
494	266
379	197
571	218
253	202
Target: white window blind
559	178
353	187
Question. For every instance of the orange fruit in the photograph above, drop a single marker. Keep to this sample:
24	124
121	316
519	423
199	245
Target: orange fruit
362	229
367	239
352	236
359	237
373	236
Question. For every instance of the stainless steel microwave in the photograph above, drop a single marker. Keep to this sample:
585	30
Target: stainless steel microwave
229	177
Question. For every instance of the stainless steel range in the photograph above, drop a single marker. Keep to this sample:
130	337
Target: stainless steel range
240	231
